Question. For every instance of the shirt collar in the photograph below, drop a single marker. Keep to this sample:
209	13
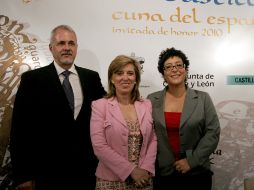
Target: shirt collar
59	69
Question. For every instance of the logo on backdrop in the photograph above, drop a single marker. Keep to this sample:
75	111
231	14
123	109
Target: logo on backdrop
141	61
240	79
18	53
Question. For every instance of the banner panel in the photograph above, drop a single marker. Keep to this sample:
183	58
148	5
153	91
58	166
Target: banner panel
217	37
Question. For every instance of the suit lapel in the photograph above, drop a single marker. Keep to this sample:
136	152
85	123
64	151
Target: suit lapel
140	110
56	86
159	107
115	111
84	80
189	106
53	79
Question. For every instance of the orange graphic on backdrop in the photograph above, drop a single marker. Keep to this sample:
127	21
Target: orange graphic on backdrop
12	64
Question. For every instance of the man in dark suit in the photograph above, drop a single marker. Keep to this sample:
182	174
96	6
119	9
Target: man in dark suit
50	143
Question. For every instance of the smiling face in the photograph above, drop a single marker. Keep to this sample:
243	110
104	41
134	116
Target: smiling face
124	80
64	47
174	71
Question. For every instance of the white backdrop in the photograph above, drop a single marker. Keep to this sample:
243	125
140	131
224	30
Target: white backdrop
217	37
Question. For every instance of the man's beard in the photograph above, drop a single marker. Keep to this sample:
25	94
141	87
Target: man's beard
67	62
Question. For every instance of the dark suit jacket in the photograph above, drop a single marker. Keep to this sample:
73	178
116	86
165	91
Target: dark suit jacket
199	131
47	144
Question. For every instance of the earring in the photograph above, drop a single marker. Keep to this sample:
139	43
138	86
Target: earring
165	83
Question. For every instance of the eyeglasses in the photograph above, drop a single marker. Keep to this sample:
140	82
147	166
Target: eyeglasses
171	67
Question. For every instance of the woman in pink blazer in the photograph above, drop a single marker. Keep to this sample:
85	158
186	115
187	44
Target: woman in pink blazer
122	131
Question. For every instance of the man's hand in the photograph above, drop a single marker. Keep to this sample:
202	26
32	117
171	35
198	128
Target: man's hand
29	185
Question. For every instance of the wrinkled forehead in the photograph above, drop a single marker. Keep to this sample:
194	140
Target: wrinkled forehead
65	35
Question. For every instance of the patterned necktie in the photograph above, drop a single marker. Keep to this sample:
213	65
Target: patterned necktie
68	89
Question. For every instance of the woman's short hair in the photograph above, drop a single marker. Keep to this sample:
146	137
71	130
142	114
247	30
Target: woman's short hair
169	53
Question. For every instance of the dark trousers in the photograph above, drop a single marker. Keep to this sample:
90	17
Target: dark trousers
179	181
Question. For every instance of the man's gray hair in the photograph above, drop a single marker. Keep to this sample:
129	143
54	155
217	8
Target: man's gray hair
64	27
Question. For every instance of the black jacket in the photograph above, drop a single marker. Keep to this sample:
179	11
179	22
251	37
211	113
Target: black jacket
47	144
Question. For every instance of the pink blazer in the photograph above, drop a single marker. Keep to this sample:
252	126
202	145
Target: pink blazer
109	134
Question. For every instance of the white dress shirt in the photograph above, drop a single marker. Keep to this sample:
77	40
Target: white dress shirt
75	84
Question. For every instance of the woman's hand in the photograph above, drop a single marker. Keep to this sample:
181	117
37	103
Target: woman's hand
182	165
140	176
